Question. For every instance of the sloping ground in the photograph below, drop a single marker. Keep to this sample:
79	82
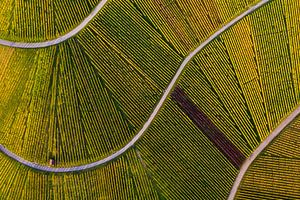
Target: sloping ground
275	173
242	90
229	82
125	178
83	99
36	20
185	23
245	83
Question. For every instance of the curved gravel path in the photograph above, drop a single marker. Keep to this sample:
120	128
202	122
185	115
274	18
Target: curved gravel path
152	116
260	148
60	39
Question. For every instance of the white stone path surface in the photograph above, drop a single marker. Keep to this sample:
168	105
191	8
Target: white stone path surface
260	148
35	45
155	111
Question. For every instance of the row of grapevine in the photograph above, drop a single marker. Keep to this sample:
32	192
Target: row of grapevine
184	23
229	9
216	65
83	99
273	54
208	128
64	111
240	49
122	29
168	18
206	97
227	81
132	90
136	92
6	12
249	70
176	21
41	20
125	178
135	63
291	10
275	173
287	143
182	160
23	130
9	83
14	73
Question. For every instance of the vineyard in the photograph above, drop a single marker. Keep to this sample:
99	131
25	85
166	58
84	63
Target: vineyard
36	20
275	173
77	103
123	179
85	98
55	115
179	158
227	82
208	128
183	23
240	89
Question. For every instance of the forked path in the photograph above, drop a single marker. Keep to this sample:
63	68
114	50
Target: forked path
154	113
35	45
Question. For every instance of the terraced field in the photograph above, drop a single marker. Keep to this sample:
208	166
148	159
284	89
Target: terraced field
82	100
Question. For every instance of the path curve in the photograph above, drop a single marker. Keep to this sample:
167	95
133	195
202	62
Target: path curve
152	116
260	148
29	45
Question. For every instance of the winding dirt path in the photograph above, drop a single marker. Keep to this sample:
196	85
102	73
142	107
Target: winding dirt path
35	45
155	111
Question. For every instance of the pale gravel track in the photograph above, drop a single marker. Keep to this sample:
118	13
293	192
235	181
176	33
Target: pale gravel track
152	116
76	30
260	148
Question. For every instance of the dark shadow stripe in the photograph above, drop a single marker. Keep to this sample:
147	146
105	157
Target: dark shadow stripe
229	150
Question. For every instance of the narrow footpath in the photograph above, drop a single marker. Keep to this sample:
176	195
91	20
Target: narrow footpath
154	113
60	39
